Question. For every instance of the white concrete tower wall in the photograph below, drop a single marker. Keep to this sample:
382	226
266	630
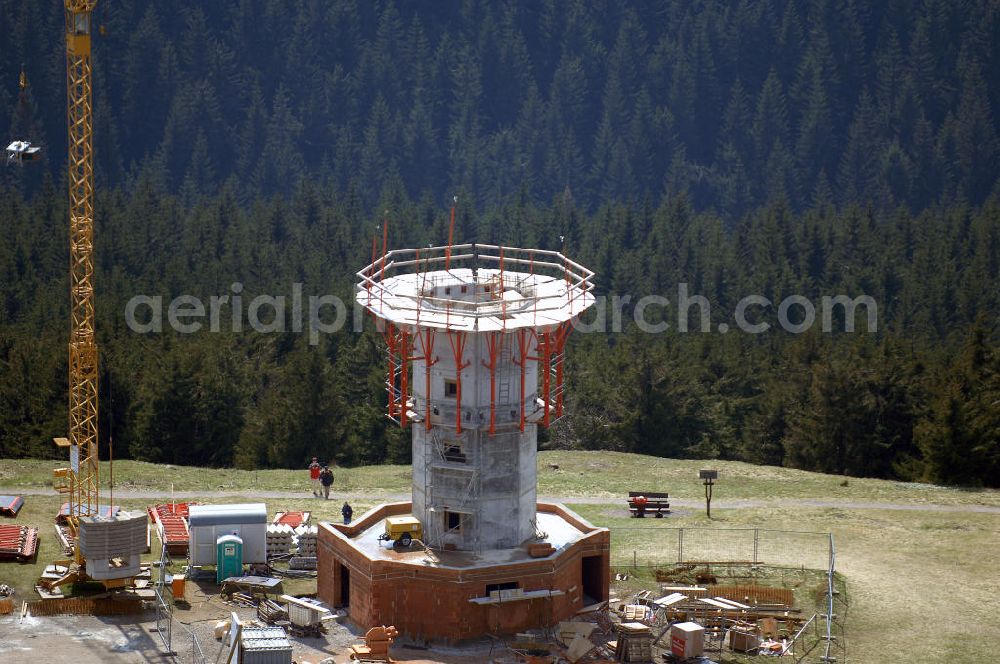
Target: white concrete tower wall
474	490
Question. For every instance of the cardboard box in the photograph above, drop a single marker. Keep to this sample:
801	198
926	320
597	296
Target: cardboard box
687	639
742	641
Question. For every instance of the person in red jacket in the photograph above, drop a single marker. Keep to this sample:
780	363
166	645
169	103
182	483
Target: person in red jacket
314	469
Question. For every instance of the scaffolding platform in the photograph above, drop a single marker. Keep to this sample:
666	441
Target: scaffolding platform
477	291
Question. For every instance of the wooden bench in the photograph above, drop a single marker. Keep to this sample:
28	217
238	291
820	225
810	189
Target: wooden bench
656	504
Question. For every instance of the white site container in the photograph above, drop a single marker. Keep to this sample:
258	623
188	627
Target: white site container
687	639
208	523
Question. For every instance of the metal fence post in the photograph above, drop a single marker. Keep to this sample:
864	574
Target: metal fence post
680	545
756	539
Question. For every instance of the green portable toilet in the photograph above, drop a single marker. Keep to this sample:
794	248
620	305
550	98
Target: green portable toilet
228	557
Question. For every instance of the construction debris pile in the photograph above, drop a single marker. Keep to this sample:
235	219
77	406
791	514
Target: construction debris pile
302	616
686	621
678	624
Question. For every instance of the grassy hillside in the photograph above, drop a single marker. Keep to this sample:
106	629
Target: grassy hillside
902	566
591	475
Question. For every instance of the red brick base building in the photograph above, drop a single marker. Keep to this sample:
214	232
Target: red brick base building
454	595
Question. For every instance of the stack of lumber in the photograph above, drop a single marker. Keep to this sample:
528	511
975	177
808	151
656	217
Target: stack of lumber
270	611
636	613
18	542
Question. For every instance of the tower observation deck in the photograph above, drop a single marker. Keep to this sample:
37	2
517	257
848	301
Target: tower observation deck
475	338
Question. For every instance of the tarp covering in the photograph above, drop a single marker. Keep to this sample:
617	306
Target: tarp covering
215	515
11	505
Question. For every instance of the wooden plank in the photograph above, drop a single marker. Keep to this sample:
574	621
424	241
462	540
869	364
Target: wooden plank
732	602
304	604
690	591
670	600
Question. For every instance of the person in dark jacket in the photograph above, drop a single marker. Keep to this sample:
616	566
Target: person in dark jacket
326	479
347	511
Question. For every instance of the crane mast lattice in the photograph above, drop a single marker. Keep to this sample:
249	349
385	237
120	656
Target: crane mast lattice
83	476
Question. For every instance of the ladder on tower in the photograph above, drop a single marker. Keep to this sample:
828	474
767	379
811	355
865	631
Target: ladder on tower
393	386
503	383
503	388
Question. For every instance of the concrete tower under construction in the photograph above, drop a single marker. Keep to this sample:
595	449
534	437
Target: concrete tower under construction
475	339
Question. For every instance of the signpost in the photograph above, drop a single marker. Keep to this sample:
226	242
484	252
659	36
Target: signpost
709	477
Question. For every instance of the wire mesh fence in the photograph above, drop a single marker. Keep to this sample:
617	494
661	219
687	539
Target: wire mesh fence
182	645
189	648
649	547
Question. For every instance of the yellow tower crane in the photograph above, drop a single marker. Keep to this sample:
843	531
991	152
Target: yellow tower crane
106	548
81	480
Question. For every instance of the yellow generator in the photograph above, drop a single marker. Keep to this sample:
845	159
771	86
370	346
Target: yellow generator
402	530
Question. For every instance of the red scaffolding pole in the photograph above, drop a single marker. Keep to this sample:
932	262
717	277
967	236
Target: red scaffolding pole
561	335
457	340
426	337
522	346
494	344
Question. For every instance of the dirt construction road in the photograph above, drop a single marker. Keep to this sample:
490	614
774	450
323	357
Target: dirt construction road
572	500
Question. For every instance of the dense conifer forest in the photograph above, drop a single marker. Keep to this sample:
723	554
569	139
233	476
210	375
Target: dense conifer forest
772	147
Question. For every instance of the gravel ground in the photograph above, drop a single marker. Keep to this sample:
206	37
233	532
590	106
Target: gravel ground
129	639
